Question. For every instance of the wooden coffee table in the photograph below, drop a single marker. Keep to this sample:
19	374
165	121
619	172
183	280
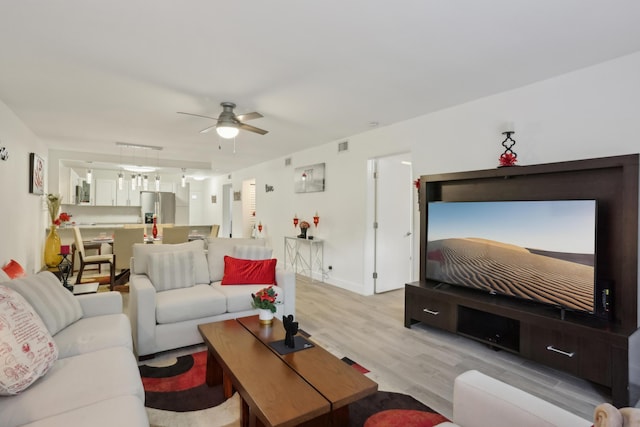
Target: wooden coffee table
310	387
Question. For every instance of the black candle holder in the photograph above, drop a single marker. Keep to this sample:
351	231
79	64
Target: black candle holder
65	271
509	157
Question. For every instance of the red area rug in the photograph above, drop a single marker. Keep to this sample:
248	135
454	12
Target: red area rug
180	387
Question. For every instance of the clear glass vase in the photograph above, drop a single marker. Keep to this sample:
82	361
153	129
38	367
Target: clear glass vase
52	255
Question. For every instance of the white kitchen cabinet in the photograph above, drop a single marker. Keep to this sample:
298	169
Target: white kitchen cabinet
105	194
127	196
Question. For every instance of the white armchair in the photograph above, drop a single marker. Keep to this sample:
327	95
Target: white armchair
480	401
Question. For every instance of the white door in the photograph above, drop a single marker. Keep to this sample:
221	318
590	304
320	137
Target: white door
394	223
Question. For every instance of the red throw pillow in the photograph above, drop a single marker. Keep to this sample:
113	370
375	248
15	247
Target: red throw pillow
14	269
249	272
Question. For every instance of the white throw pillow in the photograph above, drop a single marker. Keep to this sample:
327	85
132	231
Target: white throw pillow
218	248
252	252
27	350
142	251
56	306
171	270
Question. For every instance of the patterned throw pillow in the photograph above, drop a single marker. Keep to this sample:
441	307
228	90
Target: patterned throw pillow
56	306
249	272
171	270
27	350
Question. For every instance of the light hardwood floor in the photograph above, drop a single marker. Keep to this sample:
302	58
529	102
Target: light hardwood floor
423	361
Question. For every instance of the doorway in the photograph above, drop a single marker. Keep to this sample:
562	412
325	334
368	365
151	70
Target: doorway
393	222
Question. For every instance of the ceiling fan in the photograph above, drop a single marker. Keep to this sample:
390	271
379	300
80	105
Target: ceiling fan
228	123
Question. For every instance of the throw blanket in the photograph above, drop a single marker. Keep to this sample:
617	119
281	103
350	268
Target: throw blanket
607	415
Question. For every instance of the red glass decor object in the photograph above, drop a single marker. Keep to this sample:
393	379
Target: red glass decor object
155	228
508	159
295	220
260	227
316	219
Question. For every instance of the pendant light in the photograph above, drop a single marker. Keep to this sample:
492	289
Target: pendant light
120	180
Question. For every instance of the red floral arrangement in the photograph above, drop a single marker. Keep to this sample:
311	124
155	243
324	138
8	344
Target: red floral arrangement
305	224
508	159
62	218
265	299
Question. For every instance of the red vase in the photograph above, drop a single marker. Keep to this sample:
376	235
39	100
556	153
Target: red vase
155	229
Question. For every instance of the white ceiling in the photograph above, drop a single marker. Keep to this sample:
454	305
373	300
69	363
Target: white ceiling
83	74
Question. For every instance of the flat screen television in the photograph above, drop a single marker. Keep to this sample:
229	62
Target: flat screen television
542	251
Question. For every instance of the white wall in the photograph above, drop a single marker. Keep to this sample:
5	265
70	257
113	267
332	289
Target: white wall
22	215
589	113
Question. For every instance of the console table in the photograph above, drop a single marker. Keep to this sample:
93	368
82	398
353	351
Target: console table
304	256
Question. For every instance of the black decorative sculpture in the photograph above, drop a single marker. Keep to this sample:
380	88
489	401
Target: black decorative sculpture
292	328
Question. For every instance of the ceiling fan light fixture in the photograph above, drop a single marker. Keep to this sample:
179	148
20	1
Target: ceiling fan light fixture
227	130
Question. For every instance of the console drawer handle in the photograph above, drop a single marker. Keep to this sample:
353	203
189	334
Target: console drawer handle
564	353
426	310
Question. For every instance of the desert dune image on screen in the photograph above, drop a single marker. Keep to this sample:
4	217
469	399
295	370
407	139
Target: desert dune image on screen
542	251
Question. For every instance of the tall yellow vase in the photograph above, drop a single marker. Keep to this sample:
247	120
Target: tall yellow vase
52	255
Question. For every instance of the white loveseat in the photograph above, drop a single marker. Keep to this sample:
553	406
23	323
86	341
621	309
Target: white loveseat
164	317
95	380
481	401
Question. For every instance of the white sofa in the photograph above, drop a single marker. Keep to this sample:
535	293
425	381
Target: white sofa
164	319
95	380
481	401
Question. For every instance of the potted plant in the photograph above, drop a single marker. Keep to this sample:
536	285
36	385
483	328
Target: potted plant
265	301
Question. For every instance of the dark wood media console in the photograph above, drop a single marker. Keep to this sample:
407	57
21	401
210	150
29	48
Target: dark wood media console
603	350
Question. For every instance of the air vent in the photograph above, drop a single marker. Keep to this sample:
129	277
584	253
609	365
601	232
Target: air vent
287	161
343	146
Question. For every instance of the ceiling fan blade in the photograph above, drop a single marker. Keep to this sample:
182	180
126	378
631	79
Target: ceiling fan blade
252	128
248	116
206	130
197	115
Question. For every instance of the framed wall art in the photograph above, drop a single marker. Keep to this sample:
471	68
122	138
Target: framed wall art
309	179
36	174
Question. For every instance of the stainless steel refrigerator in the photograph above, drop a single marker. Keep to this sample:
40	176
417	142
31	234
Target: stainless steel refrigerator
162	204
